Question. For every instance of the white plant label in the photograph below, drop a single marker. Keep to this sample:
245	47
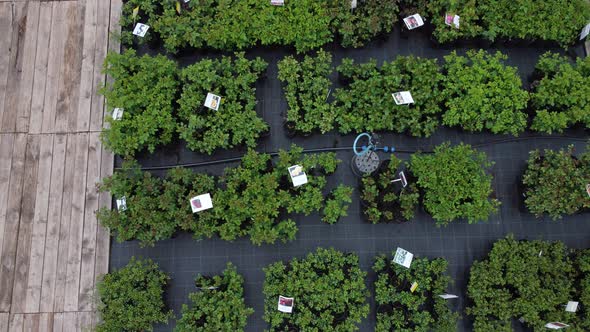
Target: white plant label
286	304
352	4
298	176
556	325
277	2
403	257
448	296
403	98
201	202
212	101
117	113
141	29
452	20
588	189
414	21
585	31
122	204
572	306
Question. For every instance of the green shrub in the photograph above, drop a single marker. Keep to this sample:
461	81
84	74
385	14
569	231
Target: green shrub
132	298
562	96
366	104
145	87
455	183
400	309
469	12
236	121
385	201
217	306
555	182
337	204
328	288
371	18
481	92
306	86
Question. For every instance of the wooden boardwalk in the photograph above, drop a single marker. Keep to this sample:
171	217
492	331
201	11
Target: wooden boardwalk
52	250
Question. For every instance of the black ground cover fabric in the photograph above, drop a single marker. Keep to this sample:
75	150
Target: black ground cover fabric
460	243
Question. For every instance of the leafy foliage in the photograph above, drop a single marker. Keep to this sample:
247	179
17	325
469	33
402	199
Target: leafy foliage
556	182
400	309
481	92
217	306
337	205
562	96
328	289
469	12
145	87
132	298
455	183
236	121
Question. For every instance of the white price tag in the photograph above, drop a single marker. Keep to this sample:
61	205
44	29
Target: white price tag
286	304
403	98
403	257
122	204
141	29
298	176
201	202
117	113
414	21
212	101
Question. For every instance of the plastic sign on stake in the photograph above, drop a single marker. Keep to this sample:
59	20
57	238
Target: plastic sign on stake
298	176
572	306
556	325
212	101
141	29
452	20
403	257
117	113
277	2
286	304
402	179
585	31
413	287
201	202
414	21
122	204
352	4
403	98
588	189
135	12
448	296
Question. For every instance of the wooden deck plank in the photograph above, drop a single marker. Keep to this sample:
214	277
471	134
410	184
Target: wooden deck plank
4	321
103	235
102	42
67	100
70	320
5	42
72	286
64	231
86	88
31	322
6	145
46	322
25	228
88	259
58	322
13	211
16	322
84	322
33	291
54	62
41	62
15	67
53	223
28	68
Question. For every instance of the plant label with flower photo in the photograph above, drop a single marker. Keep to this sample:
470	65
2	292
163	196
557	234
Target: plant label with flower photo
286	304
122	204
403	98
448	296
403	257
556	325
201	202
298	176
414	21
212	101
141	29
452	20
585	31
572	306
117	113
277	2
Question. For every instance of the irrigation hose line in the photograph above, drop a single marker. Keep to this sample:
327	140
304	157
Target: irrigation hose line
273	154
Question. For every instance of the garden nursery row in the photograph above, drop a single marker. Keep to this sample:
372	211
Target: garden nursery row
309	24
257	198
543	285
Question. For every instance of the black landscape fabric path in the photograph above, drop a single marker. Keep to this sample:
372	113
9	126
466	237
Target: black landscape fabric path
460	243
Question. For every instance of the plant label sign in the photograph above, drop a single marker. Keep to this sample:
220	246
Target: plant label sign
141	29
572	306
403	98
402	179
286	304
212	101
588	189
117	113
352	4
277	2
452	20
585	31
414	21
403	257
448	296
122	204
414	287
556	325
201	202
298	176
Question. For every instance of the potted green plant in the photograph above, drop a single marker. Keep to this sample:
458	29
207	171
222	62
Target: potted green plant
337	203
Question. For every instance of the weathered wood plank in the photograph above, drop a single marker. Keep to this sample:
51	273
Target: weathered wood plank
6	145
31	322
64	232
46	322
88	259
41	62
53	223
4	321
33	291
5	55
103	234
70	320
72	285
58	322
13	211
86	89
67	100
84	322
17	322
25	229
97	110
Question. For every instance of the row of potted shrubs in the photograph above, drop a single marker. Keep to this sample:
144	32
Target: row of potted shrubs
531	281
474	92
254	199
231	25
